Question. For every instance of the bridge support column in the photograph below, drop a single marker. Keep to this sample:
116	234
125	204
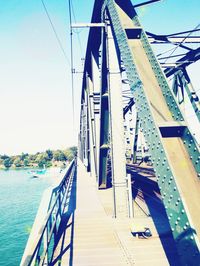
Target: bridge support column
91	122
118	160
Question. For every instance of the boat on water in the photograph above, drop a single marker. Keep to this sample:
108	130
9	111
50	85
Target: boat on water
37	173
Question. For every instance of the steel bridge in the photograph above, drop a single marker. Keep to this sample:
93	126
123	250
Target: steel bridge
138	165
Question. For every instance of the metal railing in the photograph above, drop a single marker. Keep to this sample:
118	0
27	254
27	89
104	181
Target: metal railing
39	248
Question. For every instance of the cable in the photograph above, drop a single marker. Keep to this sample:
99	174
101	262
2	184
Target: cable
77	32
54	30
71	55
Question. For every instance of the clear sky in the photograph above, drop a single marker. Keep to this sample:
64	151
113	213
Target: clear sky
35	83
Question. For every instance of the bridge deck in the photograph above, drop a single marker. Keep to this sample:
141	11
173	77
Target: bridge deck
90	236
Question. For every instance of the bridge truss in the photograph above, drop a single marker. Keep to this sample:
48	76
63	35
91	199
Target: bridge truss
122	74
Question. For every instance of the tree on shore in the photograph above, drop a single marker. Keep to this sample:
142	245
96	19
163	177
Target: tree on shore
59	156
7	163
49	154
17	162
39	159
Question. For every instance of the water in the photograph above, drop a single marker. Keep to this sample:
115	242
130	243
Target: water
20	197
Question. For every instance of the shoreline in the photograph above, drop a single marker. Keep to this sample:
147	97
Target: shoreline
30	168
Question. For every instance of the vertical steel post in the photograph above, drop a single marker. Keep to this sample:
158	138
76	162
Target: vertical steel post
95	106
104	144
92	142
130	197
135	139
118	160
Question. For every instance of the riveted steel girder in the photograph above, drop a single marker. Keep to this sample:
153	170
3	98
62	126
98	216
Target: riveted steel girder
174	153
173	150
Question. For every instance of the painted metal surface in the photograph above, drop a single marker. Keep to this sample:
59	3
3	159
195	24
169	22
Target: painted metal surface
182	82
175	157
104	144
182	225
118	160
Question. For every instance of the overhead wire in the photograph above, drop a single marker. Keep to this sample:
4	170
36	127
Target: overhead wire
72	60
55	32
77	32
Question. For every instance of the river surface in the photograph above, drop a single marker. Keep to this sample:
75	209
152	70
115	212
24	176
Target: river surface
20	197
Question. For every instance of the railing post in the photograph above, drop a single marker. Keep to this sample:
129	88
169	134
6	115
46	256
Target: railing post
45	239
130	197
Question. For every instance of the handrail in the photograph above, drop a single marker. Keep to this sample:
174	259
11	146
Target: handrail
47	221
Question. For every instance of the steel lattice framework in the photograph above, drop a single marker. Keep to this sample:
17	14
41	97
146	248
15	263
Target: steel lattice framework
119	48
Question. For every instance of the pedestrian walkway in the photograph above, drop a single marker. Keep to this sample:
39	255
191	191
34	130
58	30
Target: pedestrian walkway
91	237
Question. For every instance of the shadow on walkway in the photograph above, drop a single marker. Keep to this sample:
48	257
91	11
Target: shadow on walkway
147	192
